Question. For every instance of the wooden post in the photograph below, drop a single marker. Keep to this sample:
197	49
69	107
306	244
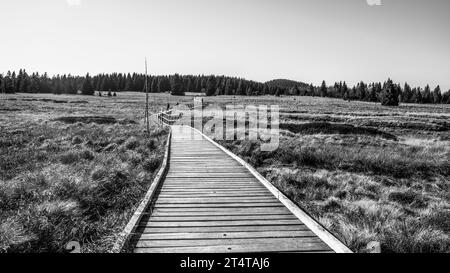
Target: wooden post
146	99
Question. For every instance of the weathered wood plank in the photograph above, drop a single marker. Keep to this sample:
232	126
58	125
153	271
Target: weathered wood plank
297	243
277	246
227	235
213	229
221	223
209	218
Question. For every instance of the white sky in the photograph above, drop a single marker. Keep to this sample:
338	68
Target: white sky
305	40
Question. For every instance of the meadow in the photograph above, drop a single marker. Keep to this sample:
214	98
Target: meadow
73	168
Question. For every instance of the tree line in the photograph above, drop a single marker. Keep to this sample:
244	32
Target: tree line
388	93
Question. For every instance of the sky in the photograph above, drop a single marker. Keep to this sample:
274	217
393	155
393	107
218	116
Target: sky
303	40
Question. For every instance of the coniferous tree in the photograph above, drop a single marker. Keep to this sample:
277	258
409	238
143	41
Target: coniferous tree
361	93
278	92
177	86
8	83
446	97
265	90
240	89
295	91
407	93
390	95
228	88
426	96
437	96
311	90
211	86
372	94
2	90
323	89
417	96
87	88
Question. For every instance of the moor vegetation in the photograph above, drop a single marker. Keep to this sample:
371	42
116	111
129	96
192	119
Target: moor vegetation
74	168
65	176
364	171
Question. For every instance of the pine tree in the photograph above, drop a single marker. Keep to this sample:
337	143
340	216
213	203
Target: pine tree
407	93
177	86
426	96
155	85
211	86
265	90
295	91
323	89
278	92
228	88
163	85
311	90
240	89
2	90
446	97
8	83
249	91
437	96
390	95
372	94
87	88
417	95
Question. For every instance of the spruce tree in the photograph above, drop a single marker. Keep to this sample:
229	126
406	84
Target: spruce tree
446	97
177	86
2	90
87	88
437	96
211	86
323	89
240	89
407	93
228	88
8	83
426	96
390	95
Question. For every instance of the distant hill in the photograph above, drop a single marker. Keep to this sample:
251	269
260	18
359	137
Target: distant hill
283	83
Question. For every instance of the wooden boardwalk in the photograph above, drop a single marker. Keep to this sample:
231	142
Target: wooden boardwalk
209	202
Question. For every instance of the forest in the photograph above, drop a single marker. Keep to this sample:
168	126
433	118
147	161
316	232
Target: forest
388	93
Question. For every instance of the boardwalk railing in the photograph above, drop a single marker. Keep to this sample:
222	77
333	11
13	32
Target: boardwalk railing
166	118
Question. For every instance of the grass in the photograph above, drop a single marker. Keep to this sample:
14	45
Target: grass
75	171
366	172
70	177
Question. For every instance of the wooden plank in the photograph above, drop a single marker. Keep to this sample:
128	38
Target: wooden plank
163	218
294	243
221	223
212	205
211	195
218	200
214	229
224	211
222	214
227	235
266	246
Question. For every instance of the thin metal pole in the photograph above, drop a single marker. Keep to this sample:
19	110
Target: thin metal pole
146	99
